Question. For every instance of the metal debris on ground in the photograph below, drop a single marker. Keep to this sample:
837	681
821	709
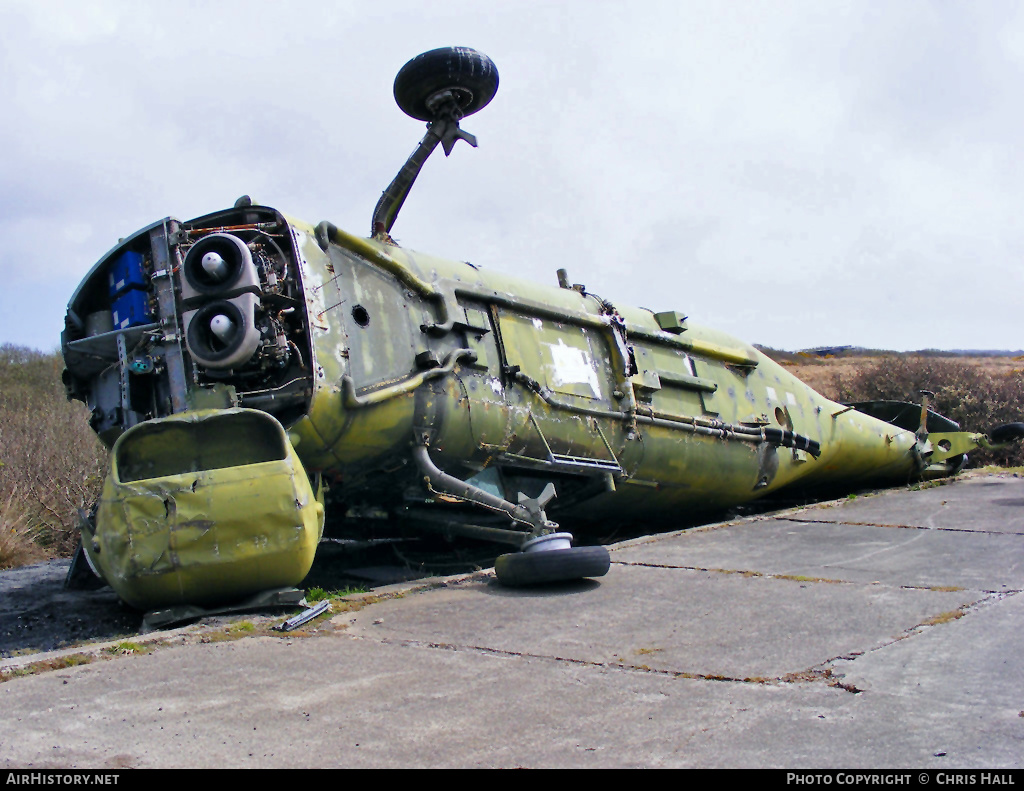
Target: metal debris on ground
303	617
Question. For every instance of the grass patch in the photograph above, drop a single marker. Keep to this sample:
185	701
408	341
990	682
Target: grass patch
923	485
58	663
319	594
802	578
741	572
944	617
127	648
236	631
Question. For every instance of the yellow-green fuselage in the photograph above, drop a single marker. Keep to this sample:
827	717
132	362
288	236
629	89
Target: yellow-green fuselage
350	353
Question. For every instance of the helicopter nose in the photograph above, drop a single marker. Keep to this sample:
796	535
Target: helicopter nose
221	326
215	266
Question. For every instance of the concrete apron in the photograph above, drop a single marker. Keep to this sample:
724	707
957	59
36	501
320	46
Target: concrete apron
881	631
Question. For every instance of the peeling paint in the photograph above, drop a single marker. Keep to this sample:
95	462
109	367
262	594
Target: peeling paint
573	365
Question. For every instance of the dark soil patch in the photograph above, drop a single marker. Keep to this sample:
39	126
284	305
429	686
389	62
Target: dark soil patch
38	614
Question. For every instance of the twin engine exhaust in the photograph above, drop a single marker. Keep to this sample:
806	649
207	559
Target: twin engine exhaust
220	293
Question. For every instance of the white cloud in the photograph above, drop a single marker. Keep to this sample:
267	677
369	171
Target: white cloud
794	173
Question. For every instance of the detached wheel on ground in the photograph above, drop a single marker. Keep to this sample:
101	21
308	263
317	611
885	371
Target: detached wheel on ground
518	569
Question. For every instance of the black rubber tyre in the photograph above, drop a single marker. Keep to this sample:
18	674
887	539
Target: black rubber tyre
956	463
1008	432
519	569
471	76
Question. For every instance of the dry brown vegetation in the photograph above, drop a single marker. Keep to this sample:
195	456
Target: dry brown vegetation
51	463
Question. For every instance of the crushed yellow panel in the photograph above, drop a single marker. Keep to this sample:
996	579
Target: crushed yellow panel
205	535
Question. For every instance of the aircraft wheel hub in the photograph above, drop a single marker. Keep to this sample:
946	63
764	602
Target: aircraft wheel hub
548	542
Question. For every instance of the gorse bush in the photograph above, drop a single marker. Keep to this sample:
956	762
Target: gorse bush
51	463
976	398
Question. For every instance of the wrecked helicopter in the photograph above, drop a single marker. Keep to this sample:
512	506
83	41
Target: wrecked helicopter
256	376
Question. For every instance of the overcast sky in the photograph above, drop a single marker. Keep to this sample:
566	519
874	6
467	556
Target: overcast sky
794	173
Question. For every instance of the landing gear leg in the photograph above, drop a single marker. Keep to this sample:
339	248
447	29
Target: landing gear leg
546	555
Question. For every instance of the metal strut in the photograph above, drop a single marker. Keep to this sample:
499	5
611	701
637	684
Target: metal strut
529	511
444	129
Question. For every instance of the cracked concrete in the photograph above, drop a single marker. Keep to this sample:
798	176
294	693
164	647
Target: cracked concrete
621	620
883	632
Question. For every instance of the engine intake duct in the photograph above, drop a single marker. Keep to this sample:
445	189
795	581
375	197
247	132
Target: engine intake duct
218	265
222	333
